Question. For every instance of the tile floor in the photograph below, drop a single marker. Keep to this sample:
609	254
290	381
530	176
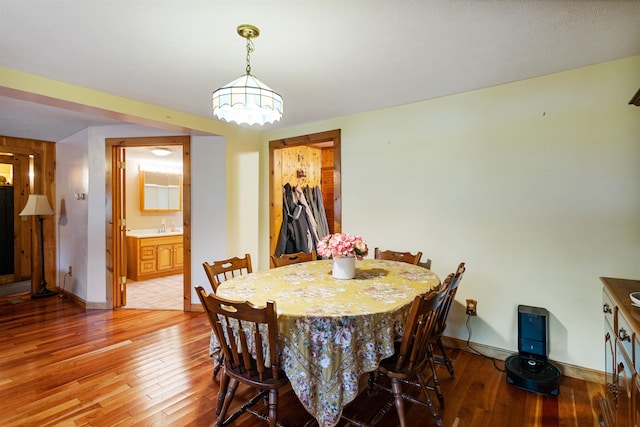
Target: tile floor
164	293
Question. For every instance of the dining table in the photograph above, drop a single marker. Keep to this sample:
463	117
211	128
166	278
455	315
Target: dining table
331	331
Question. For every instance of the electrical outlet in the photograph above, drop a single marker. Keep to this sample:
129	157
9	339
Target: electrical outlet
472	307
70	271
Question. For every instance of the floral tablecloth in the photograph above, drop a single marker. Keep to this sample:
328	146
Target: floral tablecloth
332	331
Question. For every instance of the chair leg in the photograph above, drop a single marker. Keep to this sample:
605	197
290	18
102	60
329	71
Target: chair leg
217	364
224	384
371	383
231	391
446	359
428	401
397	397
436	382
273	407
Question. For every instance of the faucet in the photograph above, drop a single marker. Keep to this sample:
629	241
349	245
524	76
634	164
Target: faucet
163	227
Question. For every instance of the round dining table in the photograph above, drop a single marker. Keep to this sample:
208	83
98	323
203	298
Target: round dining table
331	331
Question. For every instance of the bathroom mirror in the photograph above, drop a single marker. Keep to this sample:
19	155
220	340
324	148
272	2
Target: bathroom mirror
160	192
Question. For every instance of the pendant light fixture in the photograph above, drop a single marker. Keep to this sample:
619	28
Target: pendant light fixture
247	99
161	151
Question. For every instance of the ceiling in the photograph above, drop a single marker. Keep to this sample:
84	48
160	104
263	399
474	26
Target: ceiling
326	58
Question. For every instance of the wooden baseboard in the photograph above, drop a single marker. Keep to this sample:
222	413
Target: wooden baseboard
73	297
566	369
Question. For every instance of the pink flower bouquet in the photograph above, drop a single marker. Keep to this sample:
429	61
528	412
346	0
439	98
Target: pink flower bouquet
342	245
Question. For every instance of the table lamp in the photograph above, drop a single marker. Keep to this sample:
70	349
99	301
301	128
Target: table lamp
38	205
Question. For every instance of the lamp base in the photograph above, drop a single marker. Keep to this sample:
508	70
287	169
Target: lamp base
43	292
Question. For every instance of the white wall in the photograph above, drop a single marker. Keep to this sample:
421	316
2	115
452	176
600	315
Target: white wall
534	184
71	214
208	206
80	167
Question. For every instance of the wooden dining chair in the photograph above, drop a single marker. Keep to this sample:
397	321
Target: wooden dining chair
219	271
248	337
287	259
425	264
390	255
407	366
219	356
450	287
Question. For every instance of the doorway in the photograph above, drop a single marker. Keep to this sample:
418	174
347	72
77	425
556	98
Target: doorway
148	217
320	164
28	167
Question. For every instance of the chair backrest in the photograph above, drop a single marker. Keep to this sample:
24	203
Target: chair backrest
425	264
390	255
247	335
418	331
450	287
286	259
219	271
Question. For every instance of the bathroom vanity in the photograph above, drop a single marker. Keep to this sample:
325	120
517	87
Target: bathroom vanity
150	256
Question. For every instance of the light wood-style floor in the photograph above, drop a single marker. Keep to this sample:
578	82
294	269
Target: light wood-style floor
60	366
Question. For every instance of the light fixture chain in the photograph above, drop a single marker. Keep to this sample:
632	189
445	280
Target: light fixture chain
250	49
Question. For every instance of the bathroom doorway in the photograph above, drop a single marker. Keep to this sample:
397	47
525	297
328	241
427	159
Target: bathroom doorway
149	235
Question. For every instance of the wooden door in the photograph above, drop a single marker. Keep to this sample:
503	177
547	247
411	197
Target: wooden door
624	388
636	400
21	190
326	186
164	257
119	260
178	255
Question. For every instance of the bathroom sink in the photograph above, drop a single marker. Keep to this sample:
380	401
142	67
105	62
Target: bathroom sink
154	232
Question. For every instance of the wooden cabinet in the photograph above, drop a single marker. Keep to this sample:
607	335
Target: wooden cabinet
154	256
621	404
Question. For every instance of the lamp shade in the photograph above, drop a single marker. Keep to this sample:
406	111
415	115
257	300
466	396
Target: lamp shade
247	100
37	204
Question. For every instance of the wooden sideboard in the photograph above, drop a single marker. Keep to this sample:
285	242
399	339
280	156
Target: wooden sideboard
621	404
154	256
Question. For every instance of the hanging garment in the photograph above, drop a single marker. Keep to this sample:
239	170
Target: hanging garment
310	219
308	194
295	233
322	215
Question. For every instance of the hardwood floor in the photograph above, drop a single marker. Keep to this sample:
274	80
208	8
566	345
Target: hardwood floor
61	366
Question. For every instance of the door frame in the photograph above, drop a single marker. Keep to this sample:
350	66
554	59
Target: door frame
39	158
331	137
114	234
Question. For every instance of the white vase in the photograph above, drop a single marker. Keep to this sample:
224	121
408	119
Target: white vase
344	267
